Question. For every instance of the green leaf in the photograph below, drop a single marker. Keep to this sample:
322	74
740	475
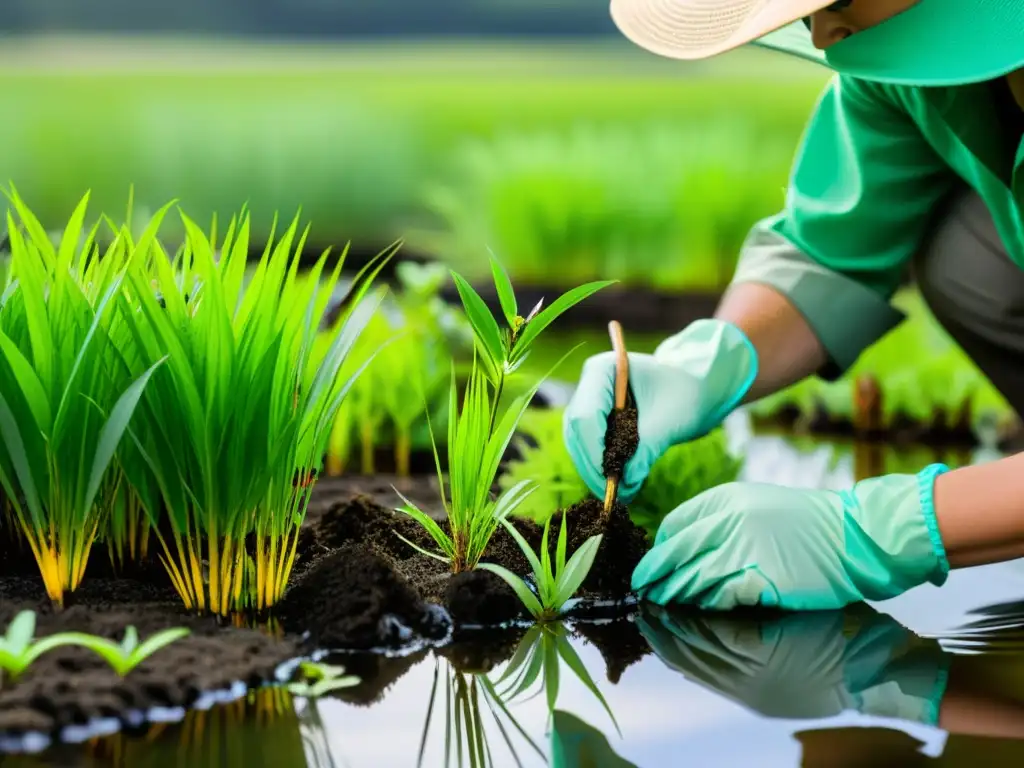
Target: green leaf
506	295
19	633
519	586
547	316
576	571
485	327
156	642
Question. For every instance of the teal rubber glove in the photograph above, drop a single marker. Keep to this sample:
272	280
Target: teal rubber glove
744	544
806	665
684	390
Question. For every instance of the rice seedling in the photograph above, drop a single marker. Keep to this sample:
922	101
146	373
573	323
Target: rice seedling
479	435
233	430
412	339
555	583
64	402
680	474
125	656
18	650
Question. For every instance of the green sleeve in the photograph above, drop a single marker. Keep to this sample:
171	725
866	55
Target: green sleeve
861	195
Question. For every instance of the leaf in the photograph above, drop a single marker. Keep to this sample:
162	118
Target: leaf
19	633
112	432
576	571
547	316
485	327
519	586
572	659
506	295
31	387
157	641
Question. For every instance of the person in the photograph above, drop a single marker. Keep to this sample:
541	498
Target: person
912	159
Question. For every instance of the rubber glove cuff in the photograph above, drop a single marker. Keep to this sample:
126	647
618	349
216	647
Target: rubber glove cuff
723	358
926	494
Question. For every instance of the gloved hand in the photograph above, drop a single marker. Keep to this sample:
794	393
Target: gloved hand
807	665
759	544
684	390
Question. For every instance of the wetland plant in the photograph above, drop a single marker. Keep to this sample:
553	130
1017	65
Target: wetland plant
479	435
556	582
233	429
65	402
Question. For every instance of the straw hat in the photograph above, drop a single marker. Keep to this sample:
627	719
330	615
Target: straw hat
932	43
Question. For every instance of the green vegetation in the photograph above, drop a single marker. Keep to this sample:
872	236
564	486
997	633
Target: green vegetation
916	372
358	136
411	342
65	402
555	585
480	434
18	650
680	474
662	205
135	385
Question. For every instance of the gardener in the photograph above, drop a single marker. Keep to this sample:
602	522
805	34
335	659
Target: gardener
913	156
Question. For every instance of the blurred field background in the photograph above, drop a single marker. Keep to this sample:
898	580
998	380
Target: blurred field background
531	129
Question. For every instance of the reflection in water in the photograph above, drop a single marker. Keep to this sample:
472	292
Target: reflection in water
819	665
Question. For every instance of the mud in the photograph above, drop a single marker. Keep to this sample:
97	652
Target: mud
621	440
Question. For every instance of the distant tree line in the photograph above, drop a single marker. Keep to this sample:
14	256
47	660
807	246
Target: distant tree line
312	18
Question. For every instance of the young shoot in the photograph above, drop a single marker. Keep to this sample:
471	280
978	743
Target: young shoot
125	656
17	649
555	585
479	436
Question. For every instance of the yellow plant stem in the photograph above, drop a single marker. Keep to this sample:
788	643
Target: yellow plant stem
366	434
226	569
403	449
62	559
275	556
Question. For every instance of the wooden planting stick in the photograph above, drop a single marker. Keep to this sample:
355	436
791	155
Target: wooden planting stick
621	388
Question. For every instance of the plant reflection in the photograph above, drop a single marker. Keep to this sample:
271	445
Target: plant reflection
819	665
263	728
535	668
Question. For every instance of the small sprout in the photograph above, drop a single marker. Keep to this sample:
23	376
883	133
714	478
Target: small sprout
321	679
554	585
18	652
127	655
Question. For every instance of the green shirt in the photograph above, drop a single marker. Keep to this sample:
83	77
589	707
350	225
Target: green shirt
874	163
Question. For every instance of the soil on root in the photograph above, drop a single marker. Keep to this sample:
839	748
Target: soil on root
621	440
73	686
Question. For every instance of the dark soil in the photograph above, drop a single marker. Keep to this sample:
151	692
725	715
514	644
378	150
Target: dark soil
621	440
620	643
640	309
352	598
69	687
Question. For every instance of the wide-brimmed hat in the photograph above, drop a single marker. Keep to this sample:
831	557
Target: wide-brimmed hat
931	43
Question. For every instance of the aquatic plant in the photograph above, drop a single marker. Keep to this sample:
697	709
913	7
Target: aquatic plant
64	402
681	473
232	431
480	434
557	582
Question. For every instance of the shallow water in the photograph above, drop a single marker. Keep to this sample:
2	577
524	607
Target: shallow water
844	689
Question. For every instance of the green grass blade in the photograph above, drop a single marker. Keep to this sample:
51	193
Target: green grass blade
506	295
520	587
558	307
